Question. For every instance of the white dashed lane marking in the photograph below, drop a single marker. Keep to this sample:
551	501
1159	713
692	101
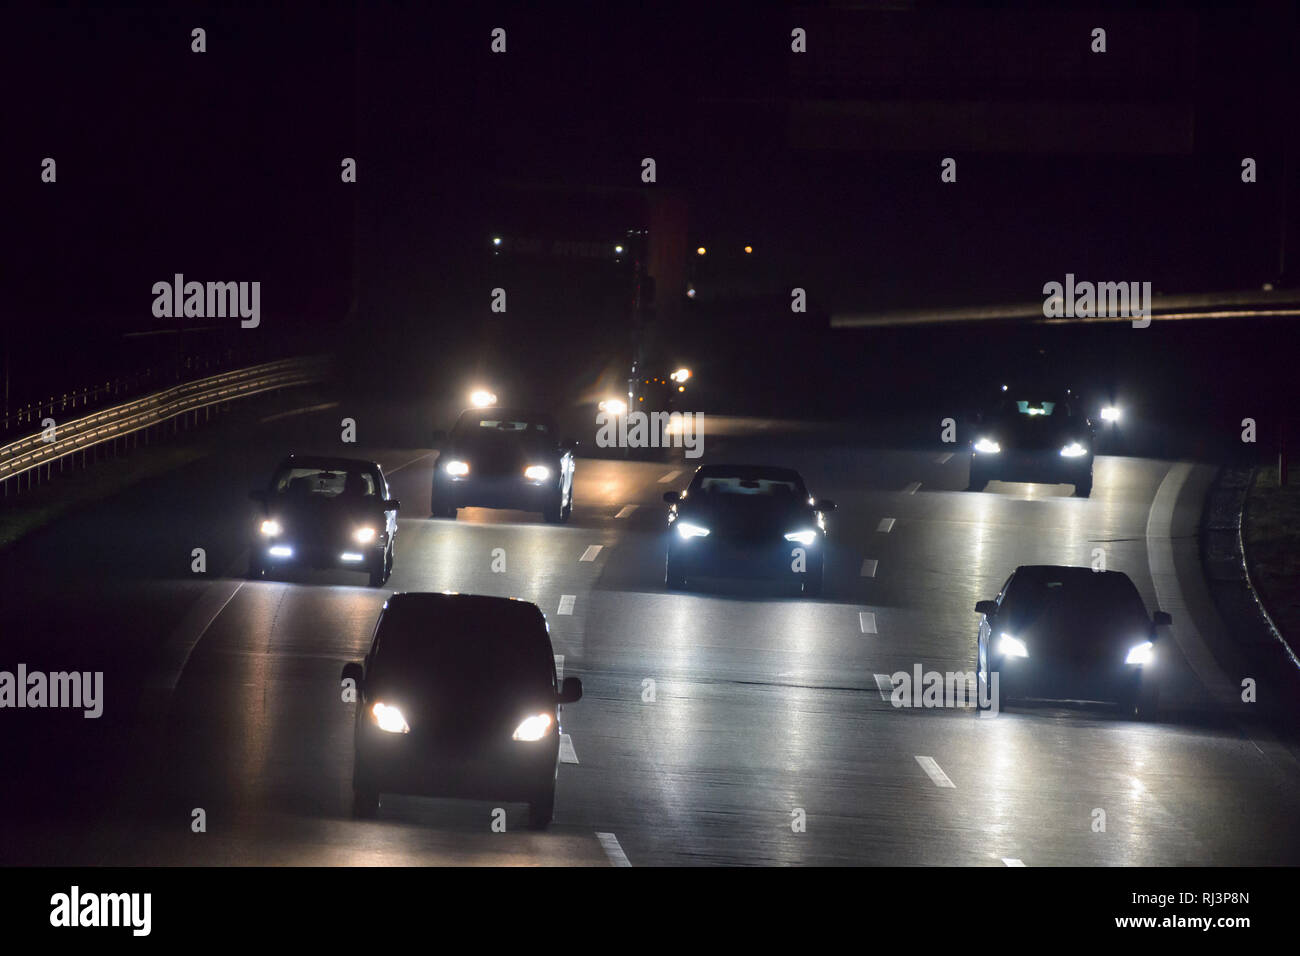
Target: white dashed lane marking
609	843
591	552
625	511
567	753
559	667
867	621
669	477
944	458
935	772
869	567
886	525
912	488
1012	861
566	603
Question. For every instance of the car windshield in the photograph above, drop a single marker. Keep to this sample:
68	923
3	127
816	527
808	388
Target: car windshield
740	486
316	482
459	654
501	424
1089	602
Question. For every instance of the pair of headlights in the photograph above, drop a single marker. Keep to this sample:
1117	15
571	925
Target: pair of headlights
363	535
1009	646
391	720
459	469
987	446
687	530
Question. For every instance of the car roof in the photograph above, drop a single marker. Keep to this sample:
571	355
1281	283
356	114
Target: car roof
516	413
329	462
769	472
439	606
1079	581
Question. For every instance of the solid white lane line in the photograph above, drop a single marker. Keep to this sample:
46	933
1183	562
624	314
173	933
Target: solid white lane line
625	511
559	667
944	458
886	687
1012	861
669	477
609	843
566	603
393	471
869	567
567	753
935	772
591	552
867	621
912	488
886	525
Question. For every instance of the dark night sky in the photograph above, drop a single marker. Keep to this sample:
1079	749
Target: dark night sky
225	165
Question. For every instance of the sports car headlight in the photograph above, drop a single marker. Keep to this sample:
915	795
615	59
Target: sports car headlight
364	535
533	728
803	537
457	468
987	446
1009	646
271	527
1143	653
688	530
1073	450
389	718
537	472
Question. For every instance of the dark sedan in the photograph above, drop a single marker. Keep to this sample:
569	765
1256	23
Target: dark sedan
324	512
1064	633
458	698
1030	435
747	521
504	458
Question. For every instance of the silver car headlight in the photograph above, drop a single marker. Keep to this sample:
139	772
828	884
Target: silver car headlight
271	527
537	472
457	468
1074	450
533	728
688	530
987	446
1009	646
803	537
364	535
389	718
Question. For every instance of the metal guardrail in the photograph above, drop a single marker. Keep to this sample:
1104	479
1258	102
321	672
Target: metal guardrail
78	435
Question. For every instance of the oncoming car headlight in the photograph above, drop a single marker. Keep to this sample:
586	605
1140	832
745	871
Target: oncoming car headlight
389	718
614	406
533	728
271	527
1073	450
1143	653
987	446
457	468
688	530
364	535
1110	413
803	537
537	472
1009	646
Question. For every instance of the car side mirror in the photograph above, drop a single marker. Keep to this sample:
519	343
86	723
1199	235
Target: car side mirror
826	505
987	608
259	496
352	672
570	691
1162	619
392	504
672	497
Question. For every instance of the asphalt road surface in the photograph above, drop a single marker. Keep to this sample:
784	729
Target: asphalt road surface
713	722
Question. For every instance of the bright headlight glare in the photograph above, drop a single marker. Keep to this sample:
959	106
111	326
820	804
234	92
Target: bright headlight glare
1110	414
1143	653
364	535
271	527
482	398
688	530
457	468
1073	450
537	472
614	406
534	728
803	537
389	718
1009	646
987	446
